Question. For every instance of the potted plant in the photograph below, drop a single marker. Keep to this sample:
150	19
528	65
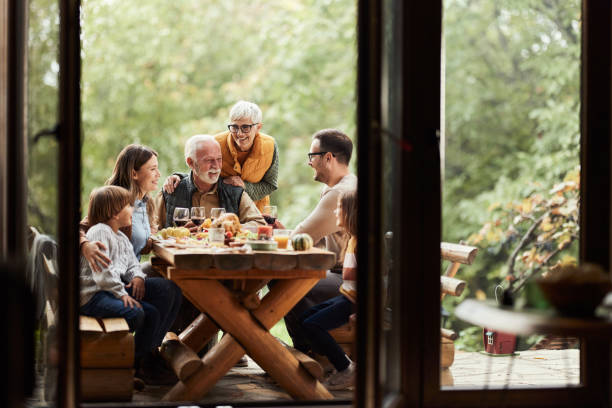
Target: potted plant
532	235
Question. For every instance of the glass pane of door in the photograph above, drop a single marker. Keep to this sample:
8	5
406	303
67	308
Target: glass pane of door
511	75
156	74
42	184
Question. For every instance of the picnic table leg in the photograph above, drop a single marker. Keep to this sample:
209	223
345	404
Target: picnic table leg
199	332
225	309
218	361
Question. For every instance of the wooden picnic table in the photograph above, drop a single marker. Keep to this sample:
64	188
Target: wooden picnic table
225	286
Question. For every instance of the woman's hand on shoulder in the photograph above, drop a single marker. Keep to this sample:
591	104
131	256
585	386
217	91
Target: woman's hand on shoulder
171	183
234	181
92	251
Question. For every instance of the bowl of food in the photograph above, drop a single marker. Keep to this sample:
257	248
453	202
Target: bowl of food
575	290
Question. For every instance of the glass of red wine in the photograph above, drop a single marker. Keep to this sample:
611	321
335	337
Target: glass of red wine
216	213
270	214
198	215
181	216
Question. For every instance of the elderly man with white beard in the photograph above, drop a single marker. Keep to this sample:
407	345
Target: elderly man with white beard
200	187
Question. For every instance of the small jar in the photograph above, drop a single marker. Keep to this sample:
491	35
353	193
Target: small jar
264	232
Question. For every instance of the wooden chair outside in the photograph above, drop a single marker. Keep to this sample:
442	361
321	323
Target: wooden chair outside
456	254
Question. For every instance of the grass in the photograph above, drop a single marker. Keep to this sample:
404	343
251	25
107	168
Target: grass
279	330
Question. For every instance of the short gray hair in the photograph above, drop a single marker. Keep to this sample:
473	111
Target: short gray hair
245	110
191	145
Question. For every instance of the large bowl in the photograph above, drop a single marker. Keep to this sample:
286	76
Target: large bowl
263	245
577	299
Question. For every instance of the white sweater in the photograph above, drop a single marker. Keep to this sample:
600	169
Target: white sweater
321	223
123	267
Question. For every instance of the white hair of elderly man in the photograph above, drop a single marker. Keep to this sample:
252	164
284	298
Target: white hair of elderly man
191	145
245	110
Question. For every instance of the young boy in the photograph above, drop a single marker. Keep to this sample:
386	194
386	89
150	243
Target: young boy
120	290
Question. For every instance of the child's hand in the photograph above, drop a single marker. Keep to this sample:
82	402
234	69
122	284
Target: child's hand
138	288
130	301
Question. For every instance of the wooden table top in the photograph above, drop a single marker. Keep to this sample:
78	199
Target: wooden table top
527	322
217	264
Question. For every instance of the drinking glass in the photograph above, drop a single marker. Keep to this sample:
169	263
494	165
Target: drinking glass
270	213
216	236
281	236
216	213
181	216
198	215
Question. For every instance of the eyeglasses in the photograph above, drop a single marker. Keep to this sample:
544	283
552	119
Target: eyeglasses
311	155
243	128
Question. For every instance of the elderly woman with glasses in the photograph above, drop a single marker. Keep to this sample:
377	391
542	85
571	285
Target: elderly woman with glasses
250	158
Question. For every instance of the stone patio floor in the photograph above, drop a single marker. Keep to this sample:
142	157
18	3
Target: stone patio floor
533	368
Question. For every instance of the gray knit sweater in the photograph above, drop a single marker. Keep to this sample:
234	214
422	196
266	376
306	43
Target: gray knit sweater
123	267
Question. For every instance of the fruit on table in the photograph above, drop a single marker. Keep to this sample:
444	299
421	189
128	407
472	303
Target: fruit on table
301	242
176	232
229	221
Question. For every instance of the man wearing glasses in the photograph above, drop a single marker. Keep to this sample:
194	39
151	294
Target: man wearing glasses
329	157
250	158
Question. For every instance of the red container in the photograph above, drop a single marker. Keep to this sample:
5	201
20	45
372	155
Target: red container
264	232
496	342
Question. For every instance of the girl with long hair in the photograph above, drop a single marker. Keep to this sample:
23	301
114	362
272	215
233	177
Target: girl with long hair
336	311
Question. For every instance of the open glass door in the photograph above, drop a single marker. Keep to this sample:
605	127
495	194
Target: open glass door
43	185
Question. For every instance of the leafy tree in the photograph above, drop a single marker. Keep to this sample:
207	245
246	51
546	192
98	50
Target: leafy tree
531	234
158	72
512	134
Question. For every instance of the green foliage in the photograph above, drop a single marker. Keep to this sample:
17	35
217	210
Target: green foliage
534	232
42	114
512	134
159	72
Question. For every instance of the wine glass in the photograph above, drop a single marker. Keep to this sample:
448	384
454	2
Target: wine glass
181	216
216	213
270	214
198	215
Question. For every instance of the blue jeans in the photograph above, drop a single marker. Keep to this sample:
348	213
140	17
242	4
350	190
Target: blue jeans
150	323
323	317
324	290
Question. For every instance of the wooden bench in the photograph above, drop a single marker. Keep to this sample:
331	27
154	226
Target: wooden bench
107	359
107	347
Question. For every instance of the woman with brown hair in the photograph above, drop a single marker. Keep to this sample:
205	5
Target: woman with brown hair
136	170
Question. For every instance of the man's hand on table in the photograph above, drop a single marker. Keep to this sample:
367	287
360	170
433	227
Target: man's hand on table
278	225
171	183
